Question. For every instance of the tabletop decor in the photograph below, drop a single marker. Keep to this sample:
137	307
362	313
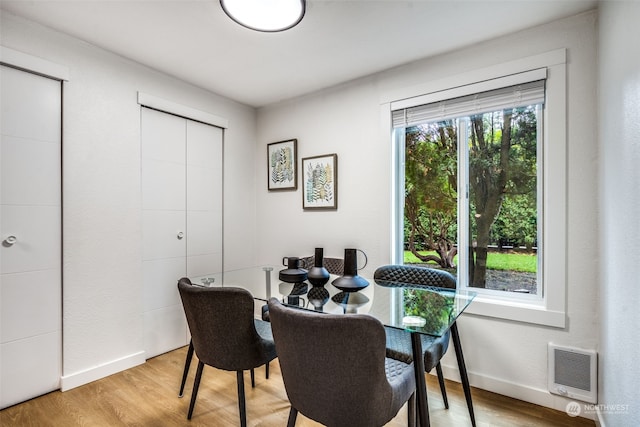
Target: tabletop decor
294	273
350	281
282	167
318	274
320	182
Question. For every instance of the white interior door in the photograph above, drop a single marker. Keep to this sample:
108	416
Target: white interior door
204	199
30	222
182	218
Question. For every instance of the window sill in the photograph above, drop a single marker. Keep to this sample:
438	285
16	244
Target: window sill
535	313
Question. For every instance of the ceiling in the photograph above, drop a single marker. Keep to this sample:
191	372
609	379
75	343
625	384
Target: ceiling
337	41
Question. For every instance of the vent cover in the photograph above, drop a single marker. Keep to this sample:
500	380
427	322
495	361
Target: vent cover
573	373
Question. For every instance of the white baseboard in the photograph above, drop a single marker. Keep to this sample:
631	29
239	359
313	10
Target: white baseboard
533	395
599	421
67	382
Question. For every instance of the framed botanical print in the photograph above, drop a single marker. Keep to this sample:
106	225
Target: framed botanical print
282	165
320	182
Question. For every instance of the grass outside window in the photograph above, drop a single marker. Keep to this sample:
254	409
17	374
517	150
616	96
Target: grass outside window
505	261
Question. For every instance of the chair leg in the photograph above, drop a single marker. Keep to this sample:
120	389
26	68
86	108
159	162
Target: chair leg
443	390
196	385
253	379
411	411
241	404
187	364
463	371
293	414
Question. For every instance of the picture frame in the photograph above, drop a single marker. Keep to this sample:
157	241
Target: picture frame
320	182
282	165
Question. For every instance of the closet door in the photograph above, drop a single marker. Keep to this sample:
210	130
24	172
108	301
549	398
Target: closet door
30	222
204	199
182	218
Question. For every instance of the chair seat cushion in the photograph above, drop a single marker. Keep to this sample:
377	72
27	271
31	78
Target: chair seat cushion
401	377
399	347
266	339
264	329
265	313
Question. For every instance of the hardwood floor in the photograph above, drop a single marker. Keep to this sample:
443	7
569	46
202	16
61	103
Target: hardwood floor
147	395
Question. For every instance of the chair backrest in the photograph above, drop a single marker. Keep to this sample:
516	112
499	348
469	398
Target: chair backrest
333	265
222	327
333	365
418	276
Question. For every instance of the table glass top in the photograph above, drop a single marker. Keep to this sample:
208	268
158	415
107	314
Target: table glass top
406	306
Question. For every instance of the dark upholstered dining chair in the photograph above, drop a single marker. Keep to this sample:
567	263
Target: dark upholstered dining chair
187	365
263	330
333	265
399	342
335	370
224	334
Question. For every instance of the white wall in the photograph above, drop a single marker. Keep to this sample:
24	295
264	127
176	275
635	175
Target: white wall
503	356
344	120
619	136
102	279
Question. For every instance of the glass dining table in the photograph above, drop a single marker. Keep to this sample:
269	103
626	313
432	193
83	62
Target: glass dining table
414	309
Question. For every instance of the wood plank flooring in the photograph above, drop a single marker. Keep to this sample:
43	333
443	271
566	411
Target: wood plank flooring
147	395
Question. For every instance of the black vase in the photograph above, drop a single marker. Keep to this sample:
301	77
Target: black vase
318	275
293	273
350	281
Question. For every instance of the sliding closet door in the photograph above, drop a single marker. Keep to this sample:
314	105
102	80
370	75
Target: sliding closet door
163	228
204	199
182	218
30	219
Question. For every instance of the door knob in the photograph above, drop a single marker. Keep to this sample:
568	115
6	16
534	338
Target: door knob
180	235
10	240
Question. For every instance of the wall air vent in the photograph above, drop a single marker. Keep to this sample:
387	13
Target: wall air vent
573	373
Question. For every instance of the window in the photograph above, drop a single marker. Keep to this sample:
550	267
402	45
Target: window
470	186
480	185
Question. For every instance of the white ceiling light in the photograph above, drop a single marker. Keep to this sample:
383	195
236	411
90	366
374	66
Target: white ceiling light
265	15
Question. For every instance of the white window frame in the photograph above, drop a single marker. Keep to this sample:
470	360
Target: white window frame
550	308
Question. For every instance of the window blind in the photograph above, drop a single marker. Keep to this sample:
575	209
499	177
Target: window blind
515	96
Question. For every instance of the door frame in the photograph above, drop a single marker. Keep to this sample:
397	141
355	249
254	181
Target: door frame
170	107
33	64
